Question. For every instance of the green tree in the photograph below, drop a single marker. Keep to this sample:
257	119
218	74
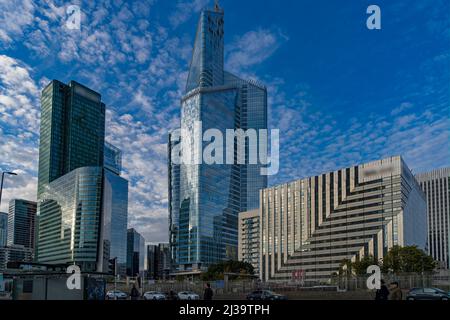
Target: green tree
360	266
346	267
216	271
407	259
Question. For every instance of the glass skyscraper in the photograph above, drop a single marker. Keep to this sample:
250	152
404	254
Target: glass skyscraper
83	201
21	223
136	253
72	130
69	219
204	200
3	228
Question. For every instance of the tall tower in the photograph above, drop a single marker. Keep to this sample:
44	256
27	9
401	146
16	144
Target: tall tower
72	130
436	186
205	200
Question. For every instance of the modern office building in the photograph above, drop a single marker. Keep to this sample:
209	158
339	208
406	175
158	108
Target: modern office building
72	131
249	238
158	261
310	226
136	253
112	158
70	219
205	199
83	201
436	185
14	253
3	229
114	221
83	219
21	223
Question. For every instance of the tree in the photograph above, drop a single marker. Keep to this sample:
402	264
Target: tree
407	259
346	267
216	271
360	266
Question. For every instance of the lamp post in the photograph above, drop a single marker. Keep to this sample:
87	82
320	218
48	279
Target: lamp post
1	183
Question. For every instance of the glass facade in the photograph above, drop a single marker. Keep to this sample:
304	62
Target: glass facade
205	199
21	223
136	253
72	130
69	219
113	158
114	221
3	229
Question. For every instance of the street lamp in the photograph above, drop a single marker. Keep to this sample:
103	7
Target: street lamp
1	183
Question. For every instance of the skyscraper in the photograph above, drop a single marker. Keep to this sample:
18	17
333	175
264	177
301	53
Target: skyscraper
309	226
158	261
21	223
136	253
3	228
436	185
83	201
204	200
115	211
72	130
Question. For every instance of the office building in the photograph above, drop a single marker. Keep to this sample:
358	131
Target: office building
72	131
83	201
14	253
158	261
21	223
3	229
70	219
136	253
436	186
205	199
249	240
310	226
114	221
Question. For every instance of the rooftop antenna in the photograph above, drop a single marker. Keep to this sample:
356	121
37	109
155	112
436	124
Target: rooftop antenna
216	5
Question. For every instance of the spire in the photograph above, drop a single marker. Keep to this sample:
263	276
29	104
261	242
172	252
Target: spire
217	6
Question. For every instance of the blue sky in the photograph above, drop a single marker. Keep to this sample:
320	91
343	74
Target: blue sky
339	93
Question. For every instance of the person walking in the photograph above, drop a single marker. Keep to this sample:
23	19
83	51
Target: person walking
396	292
208	294
383	292
134	294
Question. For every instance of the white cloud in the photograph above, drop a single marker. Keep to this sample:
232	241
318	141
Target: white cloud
185	9
253	48
15	17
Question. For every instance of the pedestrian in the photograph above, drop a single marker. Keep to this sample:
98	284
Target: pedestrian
134	294
396	292
208	294
383	292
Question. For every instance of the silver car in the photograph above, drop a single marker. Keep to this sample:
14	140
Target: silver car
188	295
116	295
154	295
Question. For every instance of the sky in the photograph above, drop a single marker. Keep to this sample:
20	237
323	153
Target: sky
339	93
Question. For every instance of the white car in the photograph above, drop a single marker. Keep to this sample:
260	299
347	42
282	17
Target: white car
116	295
154	295
188	295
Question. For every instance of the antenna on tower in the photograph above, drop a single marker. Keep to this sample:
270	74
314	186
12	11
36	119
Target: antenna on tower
216	5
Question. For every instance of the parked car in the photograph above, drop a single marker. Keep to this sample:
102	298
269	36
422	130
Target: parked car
188	295
116	295
265	295
427	294
154	295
